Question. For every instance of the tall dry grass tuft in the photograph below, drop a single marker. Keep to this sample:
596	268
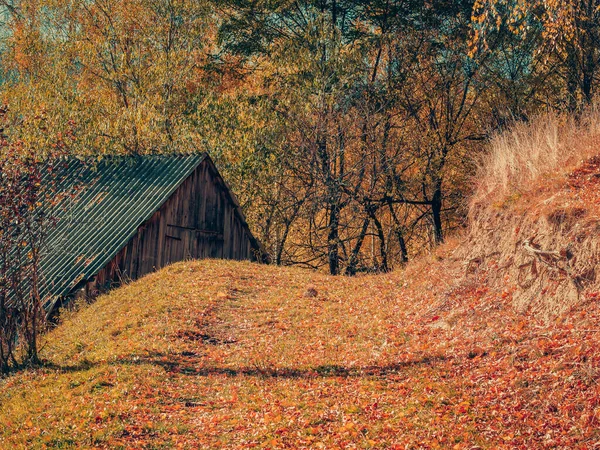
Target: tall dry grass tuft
534	215
546	148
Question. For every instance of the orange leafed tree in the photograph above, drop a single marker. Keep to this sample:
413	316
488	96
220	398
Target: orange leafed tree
568	33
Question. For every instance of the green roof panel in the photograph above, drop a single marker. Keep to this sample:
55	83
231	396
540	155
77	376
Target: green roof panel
112	198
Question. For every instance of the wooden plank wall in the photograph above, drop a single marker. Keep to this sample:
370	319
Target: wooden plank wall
198	221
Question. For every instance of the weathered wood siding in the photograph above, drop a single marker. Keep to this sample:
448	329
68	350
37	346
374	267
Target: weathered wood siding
200	220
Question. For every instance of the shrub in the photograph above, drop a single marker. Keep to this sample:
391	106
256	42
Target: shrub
27	195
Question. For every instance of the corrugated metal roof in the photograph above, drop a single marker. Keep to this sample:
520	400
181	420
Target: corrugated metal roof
113	198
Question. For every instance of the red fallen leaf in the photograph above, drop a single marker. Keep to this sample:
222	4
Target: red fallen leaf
434	318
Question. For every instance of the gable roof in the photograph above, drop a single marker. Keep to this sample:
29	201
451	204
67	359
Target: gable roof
113	198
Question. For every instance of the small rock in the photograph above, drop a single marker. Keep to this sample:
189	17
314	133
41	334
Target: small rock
310	292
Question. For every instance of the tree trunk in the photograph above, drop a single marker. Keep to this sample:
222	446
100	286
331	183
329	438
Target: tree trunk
282	241
382	250
402	244
572	80
588	48
588	75
351	268
399	235
333	239
436	212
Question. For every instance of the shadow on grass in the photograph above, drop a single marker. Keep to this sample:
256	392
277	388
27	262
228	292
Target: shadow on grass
192	365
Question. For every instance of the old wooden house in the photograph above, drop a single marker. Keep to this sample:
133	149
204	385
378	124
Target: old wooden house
128	216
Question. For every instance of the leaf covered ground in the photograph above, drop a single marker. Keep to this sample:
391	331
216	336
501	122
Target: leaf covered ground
215	354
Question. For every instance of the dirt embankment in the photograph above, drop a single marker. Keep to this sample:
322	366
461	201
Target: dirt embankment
543	246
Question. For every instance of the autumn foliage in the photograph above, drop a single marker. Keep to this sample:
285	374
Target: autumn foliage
358	136
349	130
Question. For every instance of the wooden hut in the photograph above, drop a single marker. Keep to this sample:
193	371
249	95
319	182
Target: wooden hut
125	217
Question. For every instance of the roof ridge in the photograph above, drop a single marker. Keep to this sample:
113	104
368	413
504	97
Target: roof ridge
102	157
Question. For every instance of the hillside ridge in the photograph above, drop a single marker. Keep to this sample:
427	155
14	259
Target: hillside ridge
543	244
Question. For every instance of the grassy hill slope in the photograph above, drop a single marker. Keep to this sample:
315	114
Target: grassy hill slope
215	354
491	342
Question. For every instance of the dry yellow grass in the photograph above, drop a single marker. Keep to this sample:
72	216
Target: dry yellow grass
535	155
